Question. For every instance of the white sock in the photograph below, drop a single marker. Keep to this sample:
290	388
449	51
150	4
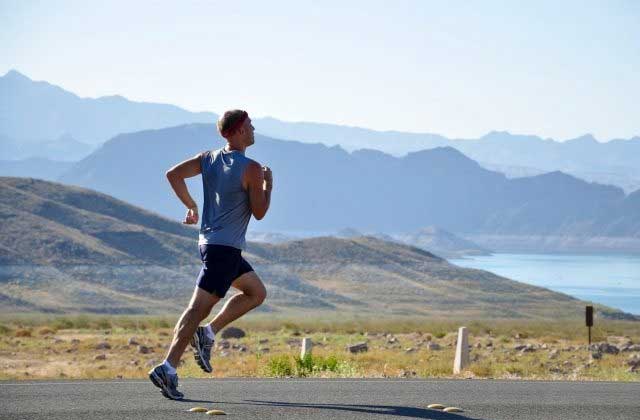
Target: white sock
209	331
170	369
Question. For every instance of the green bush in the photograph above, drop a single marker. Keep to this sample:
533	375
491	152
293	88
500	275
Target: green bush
4	330
310	364
291	326
279	366
302	366
330	364
62	324
161	323
104	324
82	322
127	324
514	370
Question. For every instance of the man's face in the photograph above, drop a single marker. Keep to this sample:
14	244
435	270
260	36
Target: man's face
248	129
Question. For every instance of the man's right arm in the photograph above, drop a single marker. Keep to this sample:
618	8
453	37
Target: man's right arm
258	183
176	176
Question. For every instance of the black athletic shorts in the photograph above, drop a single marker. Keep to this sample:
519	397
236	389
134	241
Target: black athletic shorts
221	265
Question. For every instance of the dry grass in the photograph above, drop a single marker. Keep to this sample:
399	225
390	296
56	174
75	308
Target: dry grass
65	347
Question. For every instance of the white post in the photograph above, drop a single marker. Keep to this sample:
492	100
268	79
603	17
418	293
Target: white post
306	347
462	351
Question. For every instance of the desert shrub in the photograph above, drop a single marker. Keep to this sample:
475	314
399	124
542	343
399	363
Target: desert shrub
346	369
481	369
103	323
514	370
82	322
45	331
4	330
160	323
304	365
127	323
477	327
22	332
439	334
69	322
291	328
282	365
62	324
279	366
329	363
310	364
436	367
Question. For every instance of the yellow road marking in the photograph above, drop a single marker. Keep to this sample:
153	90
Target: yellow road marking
198	410
453	410
216	413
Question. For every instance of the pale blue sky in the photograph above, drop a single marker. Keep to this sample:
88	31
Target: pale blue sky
457	68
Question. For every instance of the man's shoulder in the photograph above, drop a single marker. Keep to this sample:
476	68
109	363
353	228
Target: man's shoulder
251	162
247	161
212	152
206	153
252	168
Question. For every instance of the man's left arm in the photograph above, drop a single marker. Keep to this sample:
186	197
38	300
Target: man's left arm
176	176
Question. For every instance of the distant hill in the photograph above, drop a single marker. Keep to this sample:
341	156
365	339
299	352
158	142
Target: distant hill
443	243
431	238
64	148
269	237
320	188
66	249
35	168
349	138
38	110
615	162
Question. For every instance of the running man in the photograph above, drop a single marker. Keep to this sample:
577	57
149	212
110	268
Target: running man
235	187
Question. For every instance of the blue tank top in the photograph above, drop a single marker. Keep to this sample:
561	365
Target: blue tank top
226	211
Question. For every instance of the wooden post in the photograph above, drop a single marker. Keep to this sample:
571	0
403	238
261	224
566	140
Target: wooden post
589	316
306	347
462	351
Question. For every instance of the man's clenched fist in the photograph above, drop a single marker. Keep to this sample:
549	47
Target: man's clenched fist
268	178
192	216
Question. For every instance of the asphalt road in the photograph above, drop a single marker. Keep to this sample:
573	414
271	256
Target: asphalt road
259	399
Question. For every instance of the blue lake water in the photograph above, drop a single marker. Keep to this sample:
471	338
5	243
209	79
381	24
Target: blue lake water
612	280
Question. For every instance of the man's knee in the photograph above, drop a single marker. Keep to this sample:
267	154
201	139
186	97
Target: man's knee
260	295
252	287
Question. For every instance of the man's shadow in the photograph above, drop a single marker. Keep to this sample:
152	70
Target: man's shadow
387	410
195	401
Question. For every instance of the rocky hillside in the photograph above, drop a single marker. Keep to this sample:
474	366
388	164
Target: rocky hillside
66	249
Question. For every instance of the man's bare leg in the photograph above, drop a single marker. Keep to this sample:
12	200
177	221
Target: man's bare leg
252	294
199	308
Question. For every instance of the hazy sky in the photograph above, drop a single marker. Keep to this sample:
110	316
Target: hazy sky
459	68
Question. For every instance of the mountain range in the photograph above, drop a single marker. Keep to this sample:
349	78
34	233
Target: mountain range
322	189
325	189
65	249
35	111
614	162
38	113
64	148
